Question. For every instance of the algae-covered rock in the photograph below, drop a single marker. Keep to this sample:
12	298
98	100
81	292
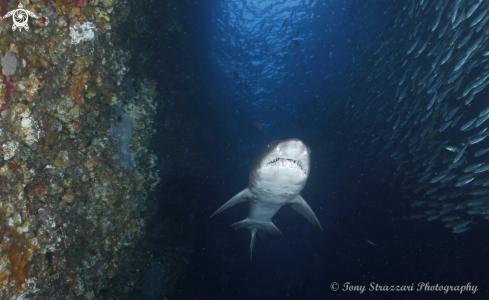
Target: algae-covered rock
120	134
9	63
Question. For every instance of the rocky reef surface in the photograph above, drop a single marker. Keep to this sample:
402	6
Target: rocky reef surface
72	207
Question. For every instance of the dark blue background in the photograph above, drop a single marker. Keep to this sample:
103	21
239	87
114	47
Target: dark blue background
356	202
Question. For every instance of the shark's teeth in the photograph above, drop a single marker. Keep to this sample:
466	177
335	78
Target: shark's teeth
286	162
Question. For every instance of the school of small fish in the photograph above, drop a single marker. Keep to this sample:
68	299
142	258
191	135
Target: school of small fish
419	99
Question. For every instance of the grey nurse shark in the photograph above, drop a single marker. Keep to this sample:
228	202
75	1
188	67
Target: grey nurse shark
277	176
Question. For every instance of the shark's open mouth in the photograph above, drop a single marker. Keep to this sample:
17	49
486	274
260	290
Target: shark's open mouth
286	162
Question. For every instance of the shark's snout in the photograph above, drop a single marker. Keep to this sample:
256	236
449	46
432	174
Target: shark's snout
293	148
290	153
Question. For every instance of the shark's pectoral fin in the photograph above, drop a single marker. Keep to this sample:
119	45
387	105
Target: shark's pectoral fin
259	231
300	205
238	198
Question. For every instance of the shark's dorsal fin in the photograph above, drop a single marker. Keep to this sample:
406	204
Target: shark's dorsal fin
300	205
238	198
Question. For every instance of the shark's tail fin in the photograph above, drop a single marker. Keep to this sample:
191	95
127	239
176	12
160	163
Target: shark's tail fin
259	231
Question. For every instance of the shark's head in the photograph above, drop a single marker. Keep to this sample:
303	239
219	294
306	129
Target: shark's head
283	166
290	153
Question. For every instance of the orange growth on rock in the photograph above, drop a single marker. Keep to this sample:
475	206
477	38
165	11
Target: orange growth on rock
78	15
43	64
78	82
91	162
61	6
77	95
19	252
106	176
15	167
77	68
40	190
86	75
41	22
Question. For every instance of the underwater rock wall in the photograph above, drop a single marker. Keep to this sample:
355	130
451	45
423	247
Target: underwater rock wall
69	215
120	133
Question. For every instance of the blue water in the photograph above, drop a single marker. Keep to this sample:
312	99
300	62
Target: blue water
264	69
